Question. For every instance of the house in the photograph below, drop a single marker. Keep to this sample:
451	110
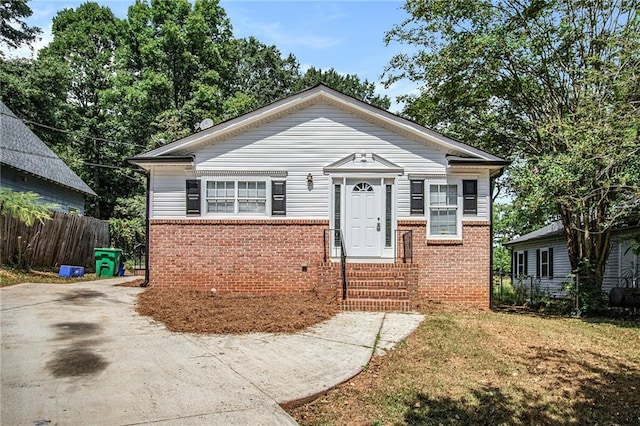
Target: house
541	257
320	191
27	164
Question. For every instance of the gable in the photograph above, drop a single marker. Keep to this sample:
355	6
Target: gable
315	137
319	104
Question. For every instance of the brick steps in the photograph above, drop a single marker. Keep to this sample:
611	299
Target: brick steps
379	287
375	305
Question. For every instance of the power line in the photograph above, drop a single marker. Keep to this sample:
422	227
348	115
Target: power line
71	132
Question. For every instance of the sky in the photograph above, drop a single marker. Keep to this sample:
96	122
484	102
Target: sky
346	35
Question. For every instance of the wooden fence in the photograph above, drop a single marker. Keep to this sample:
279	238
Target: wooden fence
66	239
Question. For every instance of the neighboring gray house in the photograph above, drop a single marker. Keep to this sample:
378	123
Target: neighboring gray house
27	164
542	255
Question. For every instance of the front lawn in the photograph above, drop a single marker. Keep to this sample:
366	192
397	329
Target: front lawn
486	368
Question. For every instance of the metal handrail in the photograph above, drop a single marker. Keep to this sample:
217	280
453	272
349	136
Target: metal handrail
334	237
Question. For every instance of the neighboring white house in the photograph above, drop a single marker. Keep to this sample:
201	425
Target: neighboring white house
542	255
28	165
257	203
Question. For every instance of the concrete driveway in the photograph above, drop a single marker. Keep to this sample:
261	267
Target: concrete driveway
79	354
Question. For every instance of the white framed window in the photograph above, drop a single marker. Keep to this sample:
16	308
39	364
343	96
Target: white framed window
545	262
252	197
220	197
236	197
520	263
443	210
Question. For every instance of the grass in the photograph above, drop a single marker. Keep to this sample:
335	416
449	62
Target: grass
495	368
10	276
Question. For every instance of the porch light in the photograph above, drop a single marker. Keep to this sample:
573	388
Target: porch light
309	179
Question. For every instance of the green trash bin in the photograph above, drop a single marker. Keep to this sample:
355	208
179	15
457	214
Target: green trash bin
107	261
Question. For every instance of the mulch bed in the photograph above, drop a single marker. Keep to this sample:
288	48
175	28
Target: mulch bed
203	312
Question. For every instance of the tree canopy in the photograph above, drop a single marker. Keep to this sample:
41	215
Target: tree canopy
118	87
551	85
14	32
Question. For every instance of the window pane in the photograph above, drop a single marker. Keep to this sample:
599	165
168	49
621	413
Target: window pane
252	206
443	222
452	195
242	189
262	190
443	195
231	189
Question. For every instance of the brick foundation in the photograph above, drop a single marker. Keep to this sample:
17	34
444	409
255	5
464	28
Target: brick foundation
267	256
452	271
248	256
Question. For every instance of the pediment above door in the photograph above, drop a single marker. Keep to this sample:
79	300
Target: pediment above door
363	162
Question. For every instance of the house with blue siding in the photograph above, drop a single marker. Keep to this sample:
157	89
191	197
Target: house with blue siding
28	165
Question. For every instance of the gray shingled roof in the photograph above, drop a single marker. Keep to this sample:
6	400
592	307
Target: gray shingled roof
23	150
554	229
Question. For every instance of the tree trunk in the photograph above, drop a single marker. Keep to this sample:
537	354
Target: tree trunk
588	244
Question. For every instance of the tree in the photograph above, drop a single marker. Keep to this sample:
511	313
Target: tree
27	207
258	75
14	32
36	90
173	58
349	84
85	41
552	85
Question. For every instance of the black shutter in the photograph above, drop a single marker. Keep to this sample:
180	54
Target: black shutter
550	262
278	198
193	197
470	196
526	263
417	197
538	265
514	266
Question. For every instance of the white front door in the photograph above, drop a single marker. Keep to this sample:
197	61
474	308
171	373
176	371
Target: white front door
363	213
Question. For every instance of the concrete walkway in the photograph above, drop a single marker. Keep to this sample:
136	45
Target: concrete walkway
79	354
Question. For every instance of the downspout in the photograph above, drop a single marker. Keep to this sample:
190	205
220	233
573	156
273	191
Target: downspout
491	184
145	283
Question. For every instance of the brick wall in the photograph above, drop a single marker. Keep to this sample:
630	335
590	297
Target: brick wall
266	256
253	256
452	271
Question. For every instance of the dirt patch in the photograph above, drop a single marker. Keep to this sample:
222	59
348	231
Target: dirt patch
202	312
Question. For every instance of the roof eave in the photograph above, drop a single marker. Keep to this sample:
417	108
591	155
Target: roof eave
147	162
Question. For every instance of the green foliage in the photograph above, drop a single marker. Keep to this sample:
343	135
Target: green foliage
14	32
120	87
127	226
552	86
502	259
349	84
27	207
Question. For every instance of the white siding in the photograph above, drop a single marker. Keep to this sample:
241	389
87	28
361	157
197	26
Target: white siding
561	265
168	196
620	265
305	142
